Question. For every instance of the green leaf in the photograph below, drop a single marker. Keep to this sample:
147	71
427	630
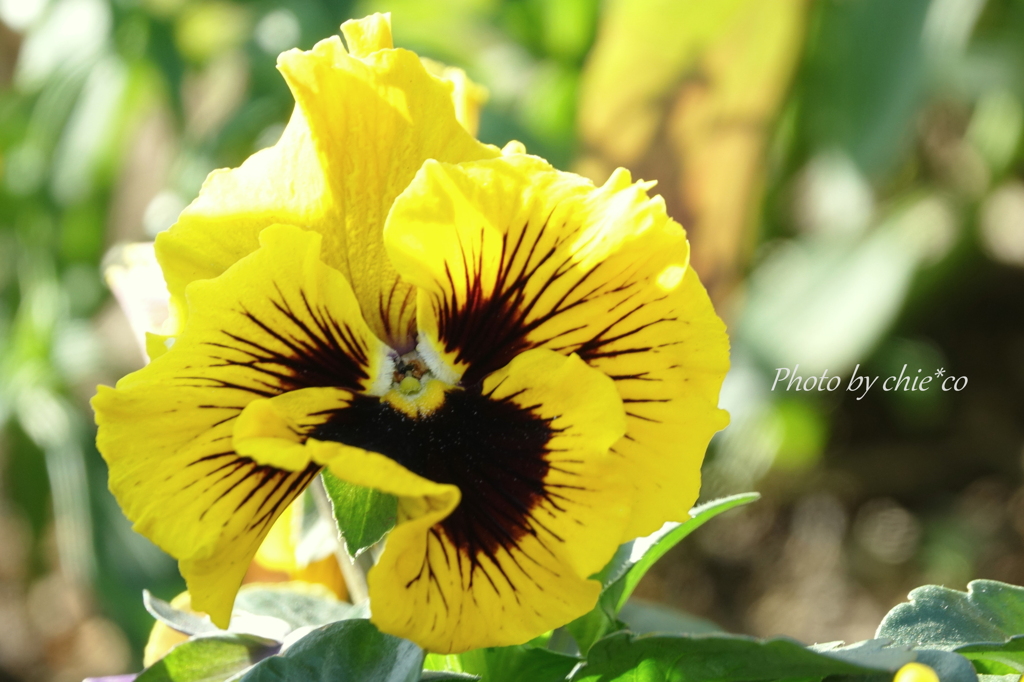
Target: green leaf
297	609
593	625
209	659
435	676
644	552
506	664
642	617
994	658
871	653
632	561
182	621
723	658
349	650
364	515
941	618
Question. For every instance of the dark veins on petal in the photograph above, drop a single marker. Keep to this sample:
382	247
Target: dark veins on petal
270	491
318	351
492	449
398	304
490	325
301	346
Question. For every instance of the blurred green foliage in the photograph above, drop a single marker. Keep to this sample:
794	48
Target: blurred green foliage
849	172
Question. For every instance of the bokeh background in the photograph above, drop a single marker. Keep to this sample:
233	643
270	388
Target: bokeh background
850	174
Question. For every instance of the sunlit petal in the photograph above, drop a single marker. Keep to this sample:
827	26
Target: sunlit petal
277	321
510	255
365	121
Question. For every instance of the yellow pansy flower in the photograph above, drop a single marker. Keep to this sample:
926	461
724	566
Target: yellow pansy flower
526	361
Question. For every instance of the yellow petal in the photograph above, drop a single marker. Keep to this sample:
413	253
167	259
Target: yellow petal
277	552
374	120
469	97
510	255
368	35
671	403
278	320
325	572
272	431
281	184
915	672
364	123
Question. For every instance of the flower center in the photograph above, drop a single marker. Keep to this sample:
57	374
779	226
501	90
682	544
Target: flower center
414	389
409	371
493	450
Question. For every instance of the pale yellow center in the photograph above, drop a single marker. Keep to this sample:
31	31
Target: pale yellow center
414	389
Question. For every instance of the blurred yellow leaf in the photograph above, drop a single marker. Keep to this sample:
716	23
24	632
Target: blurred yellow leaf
685	92
204	30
